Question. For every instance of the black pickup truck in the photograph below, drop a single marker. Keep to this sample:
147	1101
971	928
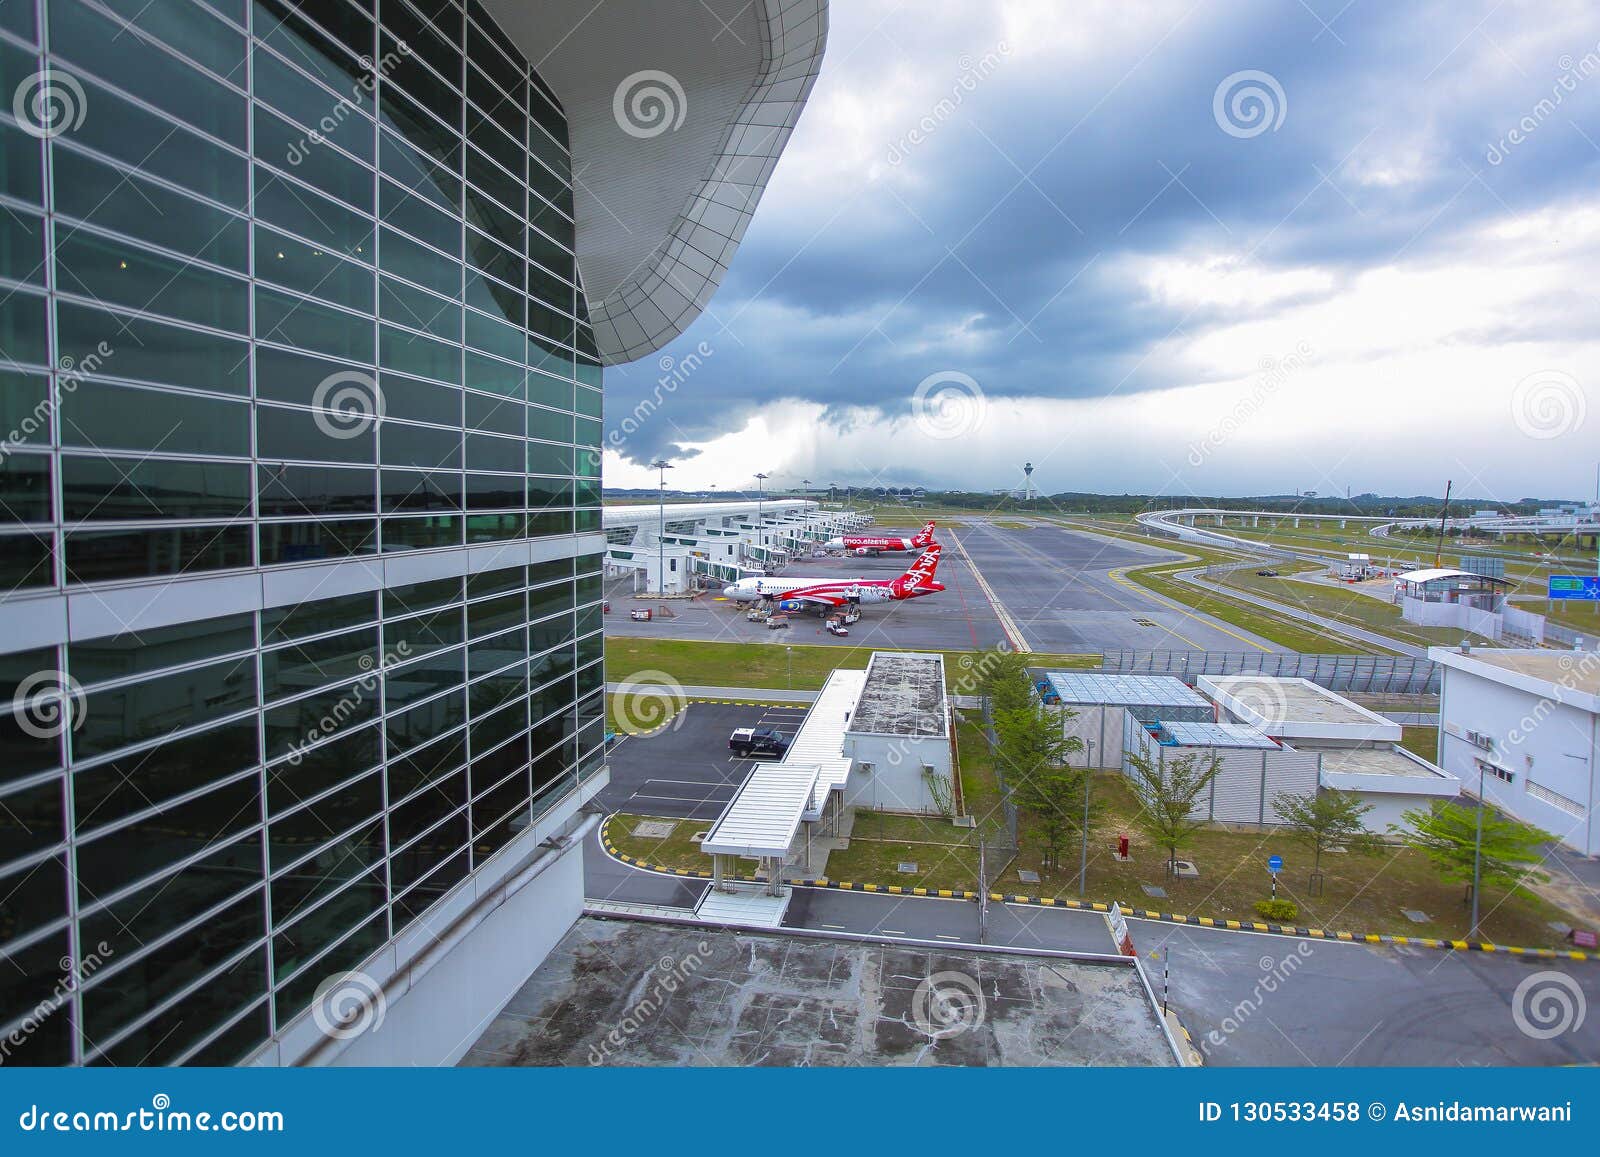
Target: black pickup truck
747	741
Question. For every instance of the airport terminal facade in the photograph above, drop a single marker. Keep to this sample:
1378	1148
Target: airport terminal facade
300	537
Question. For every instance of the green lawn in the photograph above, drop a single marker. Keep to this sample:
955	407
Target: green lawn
757	665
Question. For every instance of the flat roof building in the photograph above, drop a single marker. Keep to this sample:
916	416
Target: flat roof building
899	736
1521	729
1298	710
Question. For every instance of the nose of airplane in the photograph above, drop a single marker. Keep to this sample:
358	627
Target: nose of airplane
728	592
834	544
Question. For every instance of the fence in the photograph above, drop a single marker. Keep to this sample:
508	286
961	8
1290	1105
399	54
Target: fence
1370	674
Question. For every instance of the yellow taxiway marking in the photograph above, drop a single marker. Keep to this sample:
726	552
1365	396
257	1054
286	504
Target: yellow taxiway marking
1117	576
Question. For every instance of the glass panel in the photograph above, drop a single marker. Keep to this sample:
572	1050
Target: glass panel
420	490
174	22
415	309
426	765
421	533
410	819
282	433
429	447
407	118
286	28
154	144
113	489
311	215
22	327
417	173
118	200
112	417
123	656
293	835
292	727
305	666
312	325
312	270
337	119
426	721
26	560
418	218
150	845
314	618
433	271
494	491
25	488
95	556
316	769
131	783
22	246
311	490
295	150
413	597
414	400
122	274
486	373
21	161
166	1037
296	995
31	898
159	706
406	685
151	351
289	542
106	50
32	819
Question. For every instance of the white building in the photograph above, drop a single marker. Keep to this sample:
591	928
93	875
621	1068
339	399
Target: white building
899	736
1523	728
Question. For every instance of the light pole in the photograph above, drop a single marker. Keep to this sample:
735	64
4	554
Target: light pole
1477	854
761	533
662	466
1083	836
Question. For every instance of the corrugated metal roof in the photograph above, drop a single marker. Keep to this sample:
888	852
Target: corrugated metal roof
763	818
1095	688
1216	735
820	740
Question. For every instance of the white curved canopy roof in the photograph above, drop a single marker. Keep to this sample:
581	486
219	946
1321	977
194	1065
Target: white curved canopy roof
666	182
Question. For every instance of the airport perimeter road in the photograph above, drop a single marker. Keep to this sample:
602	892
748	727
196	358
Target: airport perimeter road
1058	585
926	918
1275	1000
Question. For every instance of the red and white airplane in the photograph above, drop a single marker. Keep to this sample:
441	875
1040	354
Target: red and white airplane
877	544
799	594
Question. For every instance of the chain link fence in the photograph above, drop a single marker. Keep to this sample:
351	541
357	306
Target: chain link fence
1361	674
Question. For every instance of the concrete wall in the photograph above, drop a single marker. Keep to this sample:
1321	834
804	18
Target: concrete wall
1242	791
896	782
1457	615
1549	744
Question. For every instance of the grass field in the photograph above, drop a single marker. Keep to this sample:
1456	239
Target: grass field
756	665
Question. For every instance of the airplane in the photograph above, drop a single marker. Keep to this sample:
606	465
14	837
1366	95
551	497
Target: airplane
799	594
877	544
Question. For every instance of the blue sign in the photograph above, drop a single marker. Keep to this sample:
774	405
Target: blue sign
1574	586
1274	864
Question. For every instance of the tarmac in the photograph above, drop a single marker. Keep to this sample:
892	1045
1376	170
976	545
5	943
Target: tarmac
1059	591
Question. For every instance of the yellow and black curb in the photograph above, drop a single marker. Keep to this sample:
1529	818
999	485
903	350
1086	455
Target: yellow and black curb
1135	913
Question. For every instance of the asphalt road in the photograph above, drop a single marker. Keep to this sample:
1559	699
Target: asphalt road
1059	586
1250	999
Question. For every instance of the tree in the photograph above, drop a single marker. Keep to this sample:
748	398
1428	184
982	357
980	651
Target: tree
1447	834
1167	796
1004	679
1329	818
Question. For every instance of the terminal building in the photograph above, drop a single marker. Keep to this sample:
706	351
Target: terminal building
305	313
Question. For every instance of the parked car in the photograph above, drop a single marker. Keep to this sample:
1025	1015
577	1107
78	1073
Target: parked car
747	741
640	615
1266	574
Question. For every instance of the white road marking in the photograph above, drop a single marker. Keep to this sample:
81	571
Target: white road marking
891	931
946	936
835	927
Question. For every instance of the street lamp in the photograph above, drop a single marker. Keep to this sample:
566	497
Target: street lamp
761	534
1083	835
662	466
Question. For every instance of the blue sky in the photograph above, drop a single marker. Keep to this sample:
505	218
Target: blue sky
1164	247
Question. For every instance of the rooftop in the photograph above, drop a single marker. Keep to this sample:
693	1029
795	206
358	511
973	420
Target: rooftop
718	998
1092	687
1376	761
764	816
1296	708
1216	735
1565	676
1437	574
903	695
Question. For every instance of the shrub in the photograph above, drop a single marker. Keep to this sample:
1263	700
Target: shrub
1278	909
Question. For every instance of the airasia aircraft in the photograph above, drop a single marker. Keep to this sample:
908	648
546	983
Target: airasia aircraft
873	544
799	594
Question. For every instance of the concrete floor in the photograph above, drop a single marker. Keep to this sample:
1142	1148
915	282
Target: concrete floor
629	993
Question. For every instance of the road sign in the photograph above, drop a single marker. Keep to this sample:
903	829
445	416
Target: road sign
1574	586
1274	864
